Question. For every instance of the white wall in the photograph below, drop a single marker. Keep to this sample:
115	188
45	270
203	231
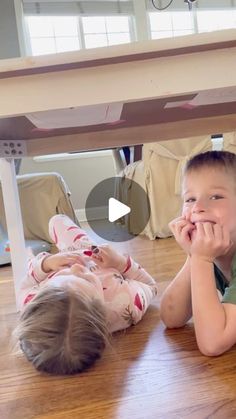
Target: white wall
9	45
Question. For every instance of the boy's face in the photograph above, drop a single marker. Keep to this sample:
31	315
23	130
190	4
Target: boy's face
210	195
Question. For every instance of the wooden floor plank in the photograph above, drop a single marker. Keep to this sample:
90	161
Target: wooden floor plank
148	372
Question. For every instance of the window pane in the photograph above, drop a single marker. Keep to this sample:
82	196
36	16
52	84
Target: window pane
65	26
42	46
118	38
215	20
67	44
160	21
182	33
205	23
94	24
94	41
168	24
61	33
117	24
182	20
40	26
162	34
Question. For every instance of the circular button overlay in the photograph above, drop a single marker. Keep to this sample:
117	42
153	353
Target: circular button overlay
117	209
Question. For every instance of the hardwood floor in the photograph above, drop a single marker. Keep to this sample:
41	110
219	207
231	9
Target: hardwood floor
148	373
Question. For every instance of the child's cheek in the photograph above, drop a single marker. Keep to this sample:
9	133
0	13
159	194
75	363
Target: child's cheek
186	211
187	214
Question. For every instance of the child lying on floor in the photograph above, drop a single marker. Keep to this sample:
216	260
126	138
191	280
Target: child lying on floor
71	301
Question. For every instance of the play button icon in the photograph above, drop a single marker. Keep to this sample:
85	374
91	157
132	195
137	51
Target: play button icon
116	210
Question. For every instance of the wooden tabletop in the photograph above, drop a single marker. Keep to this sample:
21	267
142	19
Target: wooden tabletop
166	89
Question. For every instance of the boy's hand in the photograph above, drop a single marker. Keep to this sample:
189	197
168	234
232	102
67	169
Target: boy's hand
182	230
60	260
106	257
210	241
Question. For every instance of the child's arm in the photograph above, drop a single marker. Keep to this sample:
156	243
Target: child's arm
40	266
135	271
107	257
58	261
132	298
143	285
176	307
35	273
29	284
214	322
129	304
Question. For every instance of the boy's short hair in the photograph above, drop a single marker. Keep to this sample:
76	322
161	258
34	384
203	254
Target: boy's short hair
62	332
212	159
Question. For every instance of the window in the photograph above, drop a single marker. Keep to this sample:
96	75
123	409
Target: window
103	31
169	24
51	34
215	20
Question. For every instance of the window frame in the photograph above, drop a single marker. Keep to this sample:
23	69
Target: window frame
80	31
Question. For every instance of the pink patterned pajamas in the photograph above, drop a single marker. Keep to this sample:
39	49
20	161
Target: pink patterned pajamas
126	295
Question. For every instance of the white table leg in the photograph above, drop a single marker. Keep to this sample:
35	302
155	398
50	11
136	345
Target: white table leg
14	221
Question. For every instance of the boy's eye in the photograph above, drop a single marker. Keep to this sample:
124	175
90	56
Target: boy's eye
189	200
216	197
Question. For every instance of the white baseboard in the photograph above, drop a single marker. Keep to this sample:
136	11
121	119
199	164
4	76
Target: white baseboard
95	213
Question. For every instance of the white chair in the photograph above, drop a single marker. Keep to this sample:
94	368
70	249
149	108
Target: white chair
42	195
229	142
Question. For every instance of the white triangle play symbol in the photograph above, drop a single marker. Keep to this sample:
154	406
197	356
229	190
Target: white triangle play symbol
116	209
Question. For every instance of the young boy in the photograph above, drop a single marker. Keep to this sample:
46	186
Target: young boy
205	287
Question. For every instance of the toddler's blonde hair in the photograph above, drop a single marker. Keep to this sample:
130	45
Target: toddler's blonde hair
61	331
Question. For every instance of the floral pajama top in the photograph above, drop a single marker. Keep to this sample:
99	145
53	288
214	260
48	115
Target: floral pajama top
126	295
